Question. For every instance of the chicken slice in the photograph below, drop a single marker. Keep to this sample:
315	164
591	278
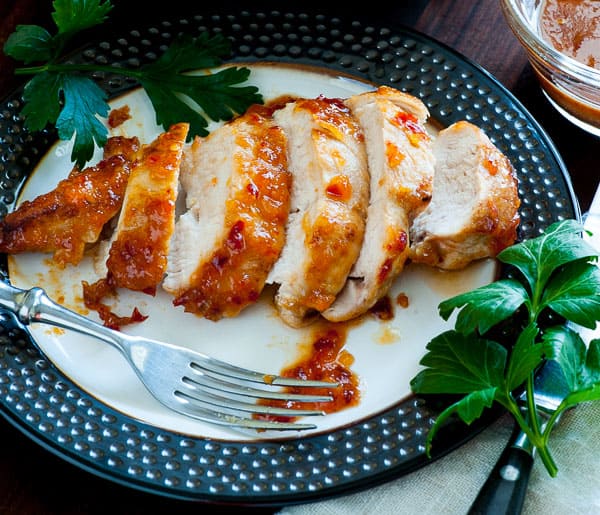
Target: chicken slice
473	212
401	166
72	215
136	256
329	200
237	196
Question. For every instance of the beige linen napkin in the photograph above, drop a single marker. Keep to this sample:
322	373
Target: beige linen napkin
449	485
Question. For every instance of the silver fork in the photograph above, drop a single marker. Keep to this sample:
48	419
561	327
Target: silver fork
185	381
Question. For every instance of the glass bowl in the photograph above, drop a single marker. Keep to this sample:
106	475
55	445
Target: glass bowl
572	87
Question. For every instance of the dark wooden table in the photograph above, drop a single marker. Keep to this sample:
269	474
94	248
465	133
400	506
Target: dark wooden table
34	481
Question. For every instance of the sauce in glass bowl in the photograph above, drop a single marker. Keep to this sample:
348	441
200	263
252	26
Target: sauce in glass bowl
562	41
573	28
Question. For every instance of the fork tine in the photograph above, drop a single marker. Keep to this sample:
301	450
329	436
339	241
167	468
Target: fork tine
225	369
188	407
205	382
232	404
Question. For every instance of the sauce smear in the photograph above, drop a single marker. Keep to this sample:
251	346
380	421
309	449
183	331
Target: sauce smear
327	360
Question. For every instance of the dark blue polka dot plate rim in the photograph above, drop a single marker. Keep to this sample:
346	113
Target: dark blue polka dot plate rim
53	411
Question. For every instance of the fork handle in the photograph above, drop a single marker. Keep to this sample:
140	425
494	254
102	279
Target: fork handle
504	491
34	305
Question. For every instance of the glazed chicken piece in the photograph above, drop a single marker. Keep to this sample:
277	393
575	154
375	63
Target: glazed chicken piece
330	194
401	166
72	215
136	256
121	145
237	189
473	213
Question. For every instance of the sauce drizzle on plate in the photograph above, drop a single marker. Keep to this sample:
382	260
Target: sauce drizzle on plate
326	360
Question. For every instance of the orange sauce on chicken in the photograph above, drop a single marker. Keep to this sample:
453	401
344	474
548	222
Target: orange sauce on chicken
393	154
255	219
328	239
397	242
333	115
339	188
491	164
73	214
413	128
138	256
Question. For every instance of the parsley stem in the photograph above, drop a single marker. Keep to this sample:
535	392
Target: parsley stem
552	421
546	458
539	441
531	406
68	68
538	438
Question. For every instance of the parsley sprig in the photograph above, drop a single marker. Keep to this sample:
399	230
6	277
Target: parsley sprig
64	95
555	274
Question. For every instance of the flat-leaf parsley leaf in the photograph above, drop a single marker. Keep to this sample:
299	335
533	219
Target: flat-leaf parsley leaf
64	95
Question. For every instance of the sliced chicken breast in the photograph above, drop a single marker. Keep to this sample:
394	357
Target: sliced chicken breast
328	208
136	256
237	189
401	166
474	210
72	215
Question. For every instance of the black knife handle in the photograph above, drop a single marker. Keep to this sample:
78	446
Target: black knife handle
504	491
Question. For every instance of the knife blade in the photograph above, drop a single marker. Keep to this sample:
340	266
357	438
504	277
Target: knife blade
504	491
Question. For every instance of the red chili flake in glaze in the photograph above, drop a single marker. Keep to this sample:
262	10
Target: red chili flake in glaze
254	117
410	121
399	243
136	316
339	188
348	396
337	102
219	262
326	343
385	270
252	189
235	240
153	158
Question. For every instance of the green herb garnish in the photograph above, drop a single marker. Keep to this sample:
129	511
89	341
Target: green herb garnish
63	94
556	275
